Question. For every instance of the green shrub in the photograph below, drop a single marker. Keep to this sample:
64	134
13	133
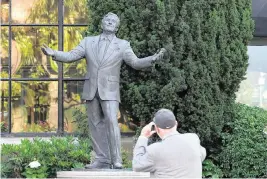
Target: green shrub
210	170
245	144
127	163
78	165
55	154
80	118
3	125
39	171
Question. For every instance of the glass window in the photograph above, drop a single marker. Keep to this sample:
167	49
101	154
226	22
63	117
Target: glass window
34	106
4	54
72	37
258	41
75	12
4	11
253	90
4	106
74	109
27	59
35	12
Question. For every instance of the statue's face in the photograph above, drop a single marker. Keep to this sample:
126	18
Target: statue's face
110	23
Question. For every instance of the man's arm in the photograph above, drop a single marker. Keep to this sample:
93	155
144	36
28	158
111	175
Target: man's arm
203	152
138	63
75	54
142	157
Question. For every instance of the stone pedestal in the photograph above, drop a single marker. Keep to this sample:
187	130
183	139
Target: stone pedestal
102	173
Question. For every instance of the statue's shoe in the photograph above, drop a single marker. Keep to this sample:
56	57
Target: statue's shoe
117	165
98	165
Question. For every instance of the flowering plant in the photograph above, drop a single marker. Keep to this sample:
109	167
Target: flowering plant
35	170
34	164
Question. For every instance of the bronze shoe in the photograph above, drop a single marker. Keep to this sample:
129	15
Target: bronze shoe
117	165
98	165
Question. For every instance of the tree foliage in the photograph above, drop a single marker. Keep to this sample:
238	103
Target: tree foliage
207	58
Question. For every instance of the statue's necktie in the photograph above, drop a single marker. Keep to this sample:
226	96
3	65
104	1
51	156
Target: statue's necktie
103	45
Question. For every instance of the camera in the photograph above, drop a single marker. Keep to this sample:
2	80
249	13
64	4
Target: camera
152	127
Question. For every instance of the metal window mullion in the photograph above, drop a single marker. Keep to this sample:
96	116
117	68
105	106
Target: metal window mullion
43	79
74	79
51	25
75	25
60	130
26	25
9	69
35	79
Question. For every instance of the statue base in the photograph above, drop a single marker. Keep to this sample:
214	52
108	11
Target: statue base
102	173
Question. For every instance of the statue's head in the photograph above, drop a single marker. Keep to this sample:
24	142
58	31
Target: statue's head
110	23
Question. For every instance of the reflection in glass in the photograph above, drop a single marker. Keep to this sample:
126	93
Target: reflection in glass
75	12
4	53
27	59
74	109
72	37
34	106
253	90
4	106
34	11
4	11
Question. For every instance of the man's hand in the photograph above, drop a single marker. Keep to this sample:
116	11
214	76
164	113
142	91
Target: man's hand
159	55
146	131
47	51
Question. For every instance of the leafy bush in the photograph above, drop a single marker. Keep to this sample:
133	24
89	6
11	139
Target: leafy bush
3	125
80	118
37	171
127	163
210	170
55	154
245	144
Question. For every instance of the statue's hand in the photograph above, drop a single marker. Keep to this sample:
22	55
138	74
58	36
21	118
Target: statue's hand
159	55
47	51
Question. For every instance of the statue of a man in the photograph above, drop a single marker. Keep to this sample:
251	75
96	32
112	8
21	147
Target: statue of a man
104	55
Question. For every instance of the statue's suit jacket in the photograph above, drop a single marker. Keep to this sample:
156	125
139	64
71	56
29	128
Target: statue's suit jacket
103	74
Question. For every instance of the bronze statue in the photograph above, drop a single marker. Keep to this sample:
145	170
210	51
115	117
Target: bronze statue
104	55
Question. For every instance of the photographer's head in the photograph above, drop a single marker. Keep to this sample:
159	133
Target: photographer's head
165	122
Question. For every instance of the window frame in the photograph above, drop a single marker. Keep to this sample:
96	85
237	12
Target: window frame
60	79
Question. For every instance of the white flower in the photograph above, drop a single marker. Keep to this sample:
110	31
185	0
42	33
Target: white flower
75	142
34	164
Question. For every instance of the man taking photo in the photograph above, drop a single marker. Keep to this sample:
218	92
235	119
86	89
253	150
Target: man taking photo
177	155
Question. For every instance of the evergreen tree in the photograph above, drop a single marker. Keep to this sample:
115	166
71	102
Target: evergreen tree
207	58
